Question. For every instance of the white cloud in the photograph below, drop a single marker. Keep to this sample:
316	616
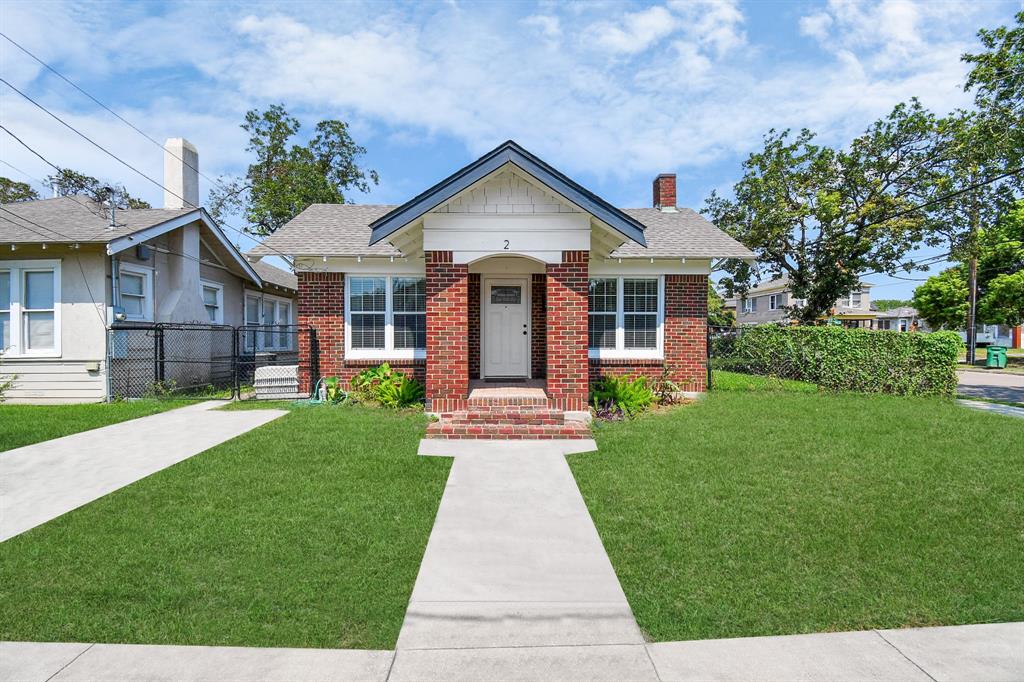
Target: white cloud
549	26
634	31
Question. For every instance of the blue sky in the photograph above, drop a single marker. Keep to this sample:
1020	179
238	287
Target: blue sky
610	93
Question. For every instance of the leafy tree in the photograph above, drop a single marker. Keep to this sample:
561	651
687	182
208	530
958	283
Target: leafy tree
823	216
884	304
942	299
997	79
12	191
67	182
718	316
287	177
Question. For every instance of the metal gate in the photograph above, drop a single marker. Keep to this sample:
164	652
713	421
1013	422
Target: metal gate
204	361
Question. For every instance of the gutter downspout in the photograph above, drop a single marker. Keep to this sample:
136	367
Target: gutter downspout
115	294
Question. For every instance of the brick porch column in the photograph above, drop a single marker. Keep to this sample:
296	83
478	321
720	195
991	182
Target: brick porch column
567	284
447	332
321	306
686	319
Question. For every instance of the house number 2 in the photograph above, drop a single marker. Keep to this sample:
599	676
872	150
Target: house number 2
506	245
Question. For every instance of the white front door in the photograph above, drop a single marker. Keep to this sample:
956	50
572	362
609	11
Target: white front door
506	327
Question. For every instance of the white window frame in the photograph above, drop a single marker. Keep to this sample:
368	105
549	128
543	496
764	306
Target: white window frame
773	302
17	270
147	290
278	302
620	352
849	299
388	352
204	283
748	306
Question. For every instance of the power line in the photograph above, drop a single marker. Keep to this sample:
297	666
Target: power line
23	144
104	106
116	158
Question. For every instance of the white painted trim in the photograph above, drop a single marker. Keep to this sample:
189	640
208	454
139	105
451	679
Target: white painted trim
643	266
120	244
620	352
527	281
18	268
365	265
205	283
389	352
146	273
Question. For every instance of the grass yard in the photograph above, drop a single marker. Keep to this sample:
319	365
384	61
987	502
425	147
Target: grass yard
774	509
26	424
306	532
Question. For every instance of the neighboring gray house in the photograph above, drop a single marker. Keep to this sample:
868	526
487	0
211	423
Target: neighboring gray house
902	319
70	267
768	302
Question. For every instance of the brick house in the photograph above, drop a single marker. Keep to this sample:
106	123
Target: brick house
507	271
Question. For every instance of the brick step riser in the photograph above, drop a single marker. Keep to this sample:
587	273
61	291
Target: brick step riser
506	418
495	432
505	403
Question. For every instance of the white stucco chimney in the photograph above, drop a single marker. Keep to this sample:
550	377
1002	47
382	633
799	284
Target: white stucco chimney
181	174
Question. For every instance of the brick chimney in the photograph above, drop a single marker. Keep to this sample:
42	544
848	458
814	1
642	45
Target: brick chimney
665	191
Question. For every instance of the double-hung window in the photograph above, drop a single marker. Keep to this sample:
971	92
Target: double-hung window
773	302
271	319
386	316
136	292
854	299
213	301
30	308
625	317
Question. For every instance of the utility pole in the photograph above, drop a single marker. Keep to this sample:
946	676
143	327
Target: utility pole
972	284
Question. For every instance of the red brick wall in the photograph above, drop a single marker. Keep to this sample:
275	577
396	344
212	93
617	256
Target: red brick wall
567	374
539	325
686	312
664	190
447	332
473	306
321	306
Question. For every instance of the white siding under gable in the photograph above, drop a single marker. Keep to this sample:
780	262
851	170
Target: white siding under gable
506	192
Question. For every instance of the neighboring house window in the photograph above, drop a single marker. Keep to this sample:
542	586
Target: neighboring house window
748	305
625	316
273	316
885	325
30	308
854	300
136	292
213	301
386	316
904	325
773	302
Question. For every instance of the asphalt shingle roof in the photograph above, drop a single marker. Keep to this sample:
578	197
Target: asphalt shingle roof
75	219
274	275
344	230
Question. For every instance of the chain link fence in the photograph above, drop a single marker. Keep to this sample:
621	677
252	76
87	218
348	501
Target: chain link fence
208	361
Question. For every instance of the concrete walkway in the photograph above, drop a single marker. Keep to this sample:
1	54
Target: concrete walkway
42	481
992	386
994	653
998	408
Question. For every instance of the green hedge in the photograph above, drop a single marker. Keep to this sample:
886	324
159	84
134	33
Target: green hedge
842	359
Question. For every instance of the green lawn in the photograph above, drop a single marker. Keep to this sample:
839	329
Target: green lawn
306	532
27	424
768	511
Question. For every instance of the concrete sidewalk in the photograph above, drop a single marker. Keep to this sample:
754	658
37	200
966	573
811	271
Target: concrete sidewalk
40	482
997	408
992	386
965	653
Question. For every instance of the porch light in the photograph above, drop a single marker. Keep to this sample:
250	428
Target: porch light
359	259
14	247
325	259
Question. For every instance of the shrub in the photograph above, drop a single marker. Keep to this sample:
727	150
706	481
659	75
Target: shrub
616	397
5	381
387	386
843	359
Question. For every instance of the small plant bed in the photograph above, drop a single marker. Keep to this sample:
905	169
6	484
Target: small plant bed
782	510
306	532
27	424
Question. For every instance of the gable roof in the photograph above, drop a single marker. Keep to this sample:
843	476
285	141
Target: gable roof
507	152
275	276
343	230
78	219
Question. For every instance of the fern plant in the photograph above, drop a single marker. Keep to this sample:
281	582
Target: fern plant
401	391
616	397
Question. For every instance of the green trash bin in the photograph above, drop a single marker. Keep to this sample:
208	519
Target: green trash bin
996	357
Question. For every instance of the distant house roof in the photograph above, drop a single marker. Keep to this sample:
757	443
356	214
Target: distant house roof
506	152
902	311
77	219
344	230
275	276
782	283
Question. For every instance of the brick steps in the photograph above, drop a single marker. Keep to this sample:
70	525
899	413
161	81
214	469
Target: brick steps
494	420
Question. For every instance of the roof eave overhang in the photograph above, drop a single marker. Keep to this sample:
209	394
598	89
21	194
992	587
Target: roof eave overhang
508	152
127	241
